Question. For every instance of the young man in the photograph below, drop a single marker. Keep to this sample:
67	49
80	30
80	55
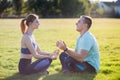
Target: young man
85	57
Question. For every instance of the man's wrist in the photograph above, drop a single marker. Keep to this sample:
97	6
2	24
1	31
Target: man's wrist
66	49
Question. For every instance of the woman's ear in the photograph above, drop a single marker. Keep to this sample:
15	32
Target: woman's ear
30	23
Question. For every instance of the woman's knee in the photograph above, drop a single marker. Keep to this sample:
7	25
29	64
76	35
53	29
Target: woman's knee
43	64
50	61
47	61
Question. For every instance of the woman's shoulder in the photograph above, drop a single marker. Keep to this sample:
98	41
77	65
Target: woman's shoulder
26	37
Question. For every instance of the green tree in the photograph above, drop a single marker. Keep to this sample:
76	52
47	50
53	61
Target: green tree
66	8
87	4
44	7
74	8
4	4
94	7
17	6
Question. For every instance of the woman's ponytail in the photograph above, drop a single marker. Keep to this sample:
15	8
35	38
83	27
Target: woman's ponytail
23	26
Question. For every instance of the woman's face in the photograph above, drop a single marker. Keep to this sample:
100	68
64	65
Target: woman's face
35	24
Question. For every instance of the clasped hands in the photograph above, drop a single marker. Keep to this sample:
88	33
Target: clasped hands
61	45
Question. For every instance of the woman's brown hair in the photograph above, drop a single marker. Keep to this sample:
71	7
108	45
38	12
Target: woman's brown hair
26	21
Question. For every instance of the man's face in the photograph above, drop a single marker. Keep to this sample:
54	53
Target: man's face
80	24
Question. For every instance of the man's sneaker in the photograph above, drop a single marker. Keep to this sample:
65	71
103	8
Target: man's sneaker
66	71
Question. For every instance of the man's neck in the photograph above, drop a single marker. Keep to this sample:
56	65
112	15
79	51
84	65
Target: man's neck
83	31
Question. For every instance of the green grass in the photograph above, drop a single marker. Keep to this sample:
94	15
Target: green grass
107	32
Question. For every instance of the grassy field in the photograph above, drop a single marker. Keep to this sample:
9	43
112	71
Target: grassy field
107	32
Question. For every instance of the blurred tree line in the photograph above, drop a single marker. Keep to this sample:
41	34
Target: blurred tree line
44	8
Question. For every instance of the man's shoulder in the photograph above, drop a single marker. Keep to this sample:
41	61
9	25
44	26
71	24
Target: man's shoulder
88	36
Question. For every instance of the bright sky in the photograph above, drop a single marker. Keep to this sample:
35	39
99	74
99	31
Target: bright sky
105	0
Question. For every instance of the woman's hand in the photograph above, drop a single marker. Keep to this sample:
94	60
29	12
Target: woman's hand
54	54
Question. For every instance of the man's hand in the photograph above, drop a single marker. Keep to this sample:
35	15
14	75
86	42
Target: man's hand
61	45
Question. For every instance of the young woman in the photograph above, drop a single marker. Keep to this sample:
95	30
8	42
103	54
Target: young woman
29	49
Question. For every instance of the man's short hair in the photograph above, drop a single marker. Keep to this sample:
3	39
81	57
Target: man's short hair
87	20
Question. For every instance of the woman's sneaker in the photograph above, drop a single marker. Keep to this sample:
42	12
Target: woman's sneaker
43	73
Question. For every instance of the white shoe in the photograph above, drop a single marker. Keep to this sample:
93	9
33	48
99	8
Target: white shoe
43	73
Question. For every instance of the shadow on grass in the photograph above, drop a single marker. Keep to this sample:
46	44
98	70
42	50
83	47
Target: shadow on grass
18	76
71	76
57	76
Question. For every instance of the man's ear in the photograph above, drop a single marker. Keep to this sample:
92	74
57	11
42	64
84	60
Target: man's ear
86	25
